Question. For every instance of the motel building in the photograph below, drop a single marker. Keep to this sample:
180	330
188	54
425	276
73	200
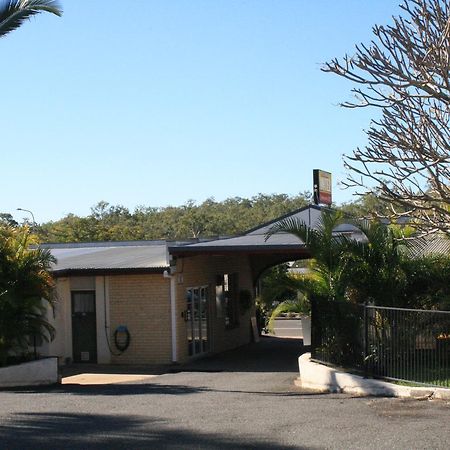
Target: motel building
163	302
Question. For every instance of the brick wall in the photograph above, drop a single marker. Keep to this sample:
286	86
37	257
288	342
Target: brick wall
142	303
202	271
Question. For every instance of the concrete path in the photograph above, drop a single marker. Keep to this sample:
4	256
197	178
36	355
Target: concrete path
272	355
286	327
104	378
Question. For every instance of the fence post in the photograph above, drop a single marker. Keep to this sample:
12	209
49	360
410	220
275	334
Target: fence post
313	325
366	340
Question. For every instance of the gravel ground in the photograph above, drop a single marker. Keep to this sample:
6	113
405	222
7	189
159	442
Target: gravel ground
241	400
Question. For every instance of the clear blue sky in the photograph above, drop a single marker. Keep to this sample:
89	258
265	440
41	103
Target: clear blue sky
156	102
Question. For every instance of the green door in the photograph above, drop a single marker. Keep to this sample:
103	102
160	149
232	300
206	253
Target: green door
84	328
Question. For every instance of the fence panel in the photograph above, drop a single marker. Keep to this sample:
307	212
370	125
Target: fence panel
410	345
337	333
393	343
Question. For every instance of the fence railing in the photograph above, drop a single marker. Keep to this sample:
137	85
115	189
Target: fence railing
393	343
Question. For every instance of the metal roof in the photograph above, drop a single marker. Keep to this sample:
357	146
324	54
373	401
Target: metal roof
114	256
244	242
432	245
255	238
153	256
308	214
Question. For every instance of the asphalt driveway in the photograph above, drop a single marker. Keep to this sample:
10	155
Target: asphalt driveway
239	400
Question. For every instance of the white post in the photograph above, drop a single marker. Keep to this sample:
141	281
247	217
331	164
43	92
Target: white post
173	314
306	330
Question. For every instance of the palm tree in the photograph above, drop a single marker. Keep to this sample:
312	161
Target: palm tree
376	266
299	305
14	12
26	288
367	270
328	249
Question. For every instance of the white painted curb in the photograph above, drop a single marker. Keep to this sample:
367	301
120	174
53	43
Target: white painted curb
327	379
33	373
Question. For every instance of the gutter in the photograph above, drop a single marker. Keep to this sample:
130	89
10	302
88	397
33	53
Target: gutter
108	271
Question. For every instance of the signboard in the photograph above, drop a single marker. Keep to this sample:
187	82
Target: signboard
322	187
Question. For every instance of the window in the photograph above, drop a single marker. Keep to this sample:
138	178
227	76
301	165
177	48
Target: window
83	302
227	299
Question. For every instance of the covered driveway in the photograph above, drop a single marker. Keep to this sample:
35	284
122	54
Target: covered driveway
262	253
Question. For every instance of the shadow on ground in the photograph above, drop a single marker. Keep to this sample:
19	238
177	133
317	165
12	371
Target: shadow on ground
98	431
271	354
131	389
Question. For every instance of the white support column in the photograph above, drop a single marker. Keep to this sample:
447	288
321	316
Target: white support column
173	317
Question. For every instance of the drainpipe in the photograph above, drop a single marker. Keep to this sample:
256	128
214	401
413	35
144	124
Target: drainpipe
173	314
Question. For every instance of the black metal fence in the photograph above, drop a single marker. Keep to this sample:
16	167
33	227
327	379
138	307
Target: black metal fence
393	343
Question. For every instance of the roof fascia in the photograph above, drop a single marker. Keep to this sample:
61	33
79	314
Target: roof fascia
111	271
291	249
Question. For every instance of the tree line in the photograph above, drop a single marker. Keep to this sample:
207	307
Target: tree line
210	218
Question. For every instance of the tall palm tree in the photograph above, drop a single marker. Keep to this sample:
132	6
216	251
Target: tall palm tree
14	12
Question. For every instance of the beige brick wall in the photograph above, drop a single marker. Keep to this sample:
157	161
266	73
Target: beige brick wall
142	303
202	271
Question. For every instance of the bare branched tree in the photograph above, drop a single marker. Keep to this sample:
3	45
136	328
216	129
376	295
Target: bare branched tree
405	73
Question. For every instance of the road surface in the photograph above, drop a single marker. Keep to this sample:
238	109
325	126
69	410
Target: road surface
243	399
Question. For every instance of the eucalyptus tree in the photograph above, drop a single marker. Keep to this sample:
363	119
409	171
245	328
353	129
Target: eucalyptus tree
14	12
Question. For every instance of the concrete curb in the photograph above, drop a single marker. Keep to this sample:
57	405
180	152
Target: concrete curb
327	379
33	373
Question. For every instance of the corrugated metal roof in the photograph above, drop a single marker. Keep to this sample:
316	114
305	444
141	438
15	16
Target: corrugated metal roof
152	255
308	214
111	255
255	239
432	245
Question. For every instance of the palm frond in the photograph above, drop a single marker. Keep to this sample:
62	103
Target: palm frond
14	12
300	305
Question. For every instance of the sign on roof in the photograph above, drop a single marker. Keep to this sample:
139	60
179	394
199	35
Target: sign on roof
322	187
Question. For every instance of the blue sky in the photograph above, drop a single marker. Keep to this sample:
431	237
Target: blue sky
157	102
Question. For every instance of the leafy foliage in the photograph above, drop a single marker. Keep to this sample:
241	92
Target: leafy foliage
25	288
377	269
327	248
427	284
299	305
210	218
277	285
